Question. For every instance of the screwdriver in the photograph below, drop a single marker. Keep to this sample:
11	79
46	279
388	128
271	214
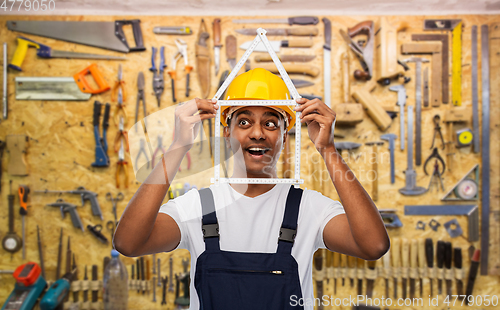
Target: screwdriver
23	192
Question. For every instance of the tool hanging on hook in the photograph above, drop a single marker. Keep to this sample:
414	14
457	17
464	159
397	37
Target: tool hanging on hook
181	53
158	82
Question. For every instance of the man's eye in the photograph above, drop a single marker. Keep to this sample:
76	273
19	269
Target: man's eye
271	124
243	122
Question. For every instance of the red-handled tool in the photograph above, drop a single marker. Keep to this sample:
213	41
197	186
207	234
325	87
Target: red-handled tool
23	192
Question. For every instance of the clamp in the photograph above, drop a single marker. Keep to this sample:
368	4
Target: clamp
158	82
121	134
181	53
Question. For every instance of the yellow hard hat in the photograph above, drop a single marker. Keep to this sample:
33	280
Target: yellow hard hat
258	84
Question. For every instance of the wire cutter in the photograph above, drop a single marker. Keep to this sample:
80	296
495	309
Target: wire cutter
158	82
119	85
140	97
436	155
121	165
159	147
181	52
121	134
437	131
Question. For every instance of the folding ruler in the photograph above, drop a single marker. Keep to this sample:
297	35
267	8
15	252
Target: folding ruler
296	181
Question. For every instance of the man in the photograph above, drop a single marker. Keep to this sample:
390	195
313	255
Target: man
251	245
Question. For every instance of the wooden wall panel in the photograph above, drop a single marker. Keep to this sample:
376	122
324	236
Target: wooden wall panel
61	146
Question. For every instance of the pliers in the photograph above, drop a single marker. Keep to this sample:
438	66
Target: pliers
436	155
121	166
158	82
437	131
181	52
142	150
119	84
159	147
119	135
140	97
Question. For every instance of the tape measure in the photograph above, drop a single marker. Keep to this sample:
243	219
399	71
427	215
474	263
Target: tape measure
464	137
467	189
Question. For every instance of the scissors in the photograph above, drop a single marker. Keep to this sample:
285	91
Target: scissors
114	200
111	227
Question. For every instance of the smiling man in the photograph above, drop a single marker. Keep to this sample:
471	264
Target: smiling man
251	245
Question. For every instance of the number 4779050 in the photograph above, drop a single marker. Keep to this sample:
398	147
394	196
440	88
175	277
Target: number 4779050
28	5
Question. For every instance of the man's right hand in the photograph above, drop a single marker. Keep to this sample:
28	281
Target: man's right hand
188	120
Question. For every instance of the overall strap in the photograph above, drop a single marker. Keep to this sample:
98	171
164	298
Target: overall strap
288	229
209	227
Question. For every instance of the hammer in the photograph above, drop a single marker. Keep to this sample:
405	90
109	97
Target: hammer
375	168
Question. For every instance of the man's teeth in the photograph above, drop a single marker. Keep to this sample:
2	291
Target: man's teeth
256	149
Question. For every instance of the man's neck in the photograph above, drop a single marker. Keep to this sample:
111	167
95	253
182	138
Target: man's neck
252	190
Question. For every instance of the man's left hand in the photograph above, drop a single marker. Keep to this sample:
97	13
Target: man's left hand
319	119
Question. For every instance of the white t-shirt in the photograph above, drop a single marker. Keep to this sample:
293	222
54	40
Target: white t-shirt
252	225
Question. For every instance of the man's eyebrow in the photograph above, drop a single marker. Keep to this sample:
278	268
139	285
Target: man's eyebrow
269	113
247	112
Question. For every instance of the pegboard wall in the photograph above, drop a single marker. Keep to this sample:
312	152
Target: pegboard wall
61	143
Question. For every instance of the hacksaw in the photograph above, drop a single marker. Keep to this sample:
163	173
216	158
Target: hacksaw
296	180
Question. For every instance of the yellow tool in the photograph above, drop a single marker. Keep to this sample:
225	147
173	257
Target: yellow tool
44	51
456	65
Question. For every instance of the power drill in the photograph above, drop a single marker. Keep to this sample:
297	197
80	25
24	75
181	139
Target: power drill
29	286
57	292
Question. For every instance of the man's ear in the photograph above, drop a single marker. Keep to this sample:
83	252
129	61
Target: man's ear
227	135
285	137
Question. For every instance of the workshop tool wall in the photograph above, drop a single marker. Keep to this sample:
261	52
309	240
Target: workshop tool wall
60	147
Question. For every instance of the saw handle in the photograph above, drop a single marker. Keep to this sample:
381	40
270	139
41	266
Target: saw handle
22	48
136	28
361	28
98	78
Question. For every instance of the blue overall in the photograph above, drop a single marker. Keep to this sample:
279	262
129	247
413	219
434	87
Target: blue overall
234	280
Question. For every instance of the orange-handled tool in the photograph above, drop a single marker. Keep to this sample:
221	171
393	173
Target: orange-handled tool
98	78
23	192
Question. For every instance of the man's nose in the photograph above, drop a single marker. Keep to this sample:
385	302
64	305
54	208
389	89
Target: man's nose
257	132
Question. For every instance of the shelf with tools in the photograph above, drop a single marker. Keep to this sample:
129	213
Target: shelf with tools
54	144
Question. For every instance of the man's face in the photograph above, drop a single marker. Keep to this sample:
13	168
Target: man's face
260	133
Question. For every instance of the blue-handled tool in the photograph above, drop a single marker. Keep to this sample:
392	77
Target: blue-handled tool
45	51
101	145
57	291
29	286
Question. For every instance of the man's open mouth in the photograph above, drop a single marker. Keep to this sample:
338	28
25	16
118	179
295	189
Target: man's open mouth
257	151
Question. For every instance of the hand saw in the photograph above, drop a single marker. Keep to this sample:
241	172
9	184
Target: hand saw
107	35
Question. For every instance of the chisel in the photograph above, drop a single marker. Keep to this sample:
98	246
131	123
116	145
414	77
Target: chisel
85	289
328	266
448	272
59	257
143	275
371	276
422	264
459	272
336	274
40	252
351	264
429	255
343	267
413	266
75	278
95	292
387	271
396	270
360	274
405	253
474	266
138	275
440	262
